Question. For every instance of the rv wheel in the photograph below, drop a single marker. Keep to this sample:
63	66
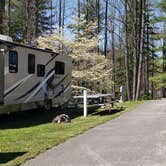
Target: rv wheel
47	105
64	106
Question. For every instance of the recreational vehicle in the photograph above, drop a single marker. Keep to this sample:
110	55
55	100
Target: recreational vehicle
32	77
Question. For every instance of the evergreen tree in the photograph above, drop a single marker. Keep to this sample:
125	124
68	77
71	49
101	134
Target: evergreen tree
2	9
26	20
159	79
42	18
14	23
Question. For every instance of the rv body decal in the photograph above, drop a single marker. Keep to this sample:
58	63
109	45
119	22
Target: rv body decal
38	86
41	85
29	91
16	85
63	90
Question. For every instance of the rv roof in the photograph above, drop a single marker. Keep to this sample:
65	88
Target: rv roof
9	43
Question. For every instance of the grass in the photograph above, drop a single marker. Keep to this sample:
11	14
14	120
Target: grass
25	135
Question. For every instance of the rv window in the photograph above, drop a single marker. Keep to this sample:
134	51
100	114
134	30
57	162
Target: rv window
31	63
40	70
13	62
59	67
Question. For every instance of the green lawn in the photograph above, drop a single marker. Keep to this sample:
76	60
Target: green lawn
24	136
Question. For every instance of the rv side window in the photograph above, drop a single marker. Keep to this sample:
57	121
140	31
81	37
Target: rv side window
40	70
59	67
13	62
31	63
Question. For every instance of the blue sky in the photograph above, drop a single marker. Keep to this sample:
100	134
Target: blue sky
71	12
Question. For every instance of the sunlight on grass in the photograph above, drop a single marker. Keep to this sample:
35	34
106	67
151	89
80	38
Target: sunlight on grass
18	144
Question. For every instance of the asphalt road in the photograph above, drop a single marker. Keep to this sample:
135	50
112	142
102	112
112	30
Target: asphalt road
137	138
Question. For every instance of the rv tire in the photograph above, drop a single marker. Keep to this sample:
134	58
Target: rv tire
47	105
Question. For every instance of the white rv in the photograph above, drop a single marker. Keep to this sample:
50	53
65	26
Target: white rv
31	77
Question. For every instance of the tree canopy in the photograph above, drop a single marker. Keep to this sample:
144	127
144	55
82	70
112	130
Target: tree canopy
112	43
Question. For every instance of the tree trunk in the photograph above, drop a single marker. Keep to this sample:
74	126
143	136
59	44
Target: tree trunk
9	17
63	17
79	16
2	10
113	48
51	19
60	17
87	11
148	49
98	22
142	20
127	53
164	59
37	3
135	49
98	15
153	70
30	21
106	30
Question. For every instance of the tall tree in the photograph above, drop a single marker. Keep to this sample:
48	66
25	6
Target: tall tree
142	21
98	21
43	17
63	16
2	10
106	28
135	49
127	51
78	15
9	17
51	19
113	13
164	58
60	17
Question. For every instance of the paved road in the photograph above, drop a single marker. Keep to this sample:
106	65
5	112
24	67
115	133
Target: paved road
137	138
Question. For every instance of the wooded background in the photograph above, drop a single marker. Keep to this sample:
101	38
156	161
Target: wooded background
112	42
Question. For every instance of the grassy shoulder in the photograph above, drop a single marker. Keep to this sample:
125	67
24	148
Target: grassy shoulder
22	138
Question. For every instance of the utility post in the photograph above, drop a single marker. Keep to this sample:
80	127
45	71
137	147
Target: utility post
85	103
121	94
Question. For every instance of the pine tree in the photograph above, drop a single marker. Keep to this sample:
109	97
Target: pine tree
43	16
161	77
26	20
15	20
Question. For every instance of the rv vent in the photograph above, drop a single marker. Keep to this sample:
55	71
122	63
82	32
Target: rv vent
6	38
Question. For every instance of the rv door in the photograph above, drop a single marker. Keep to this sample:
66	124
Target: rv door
1	74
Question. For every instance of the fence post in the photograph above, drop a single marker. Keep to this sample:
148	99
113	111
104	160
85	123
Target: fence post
85	103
